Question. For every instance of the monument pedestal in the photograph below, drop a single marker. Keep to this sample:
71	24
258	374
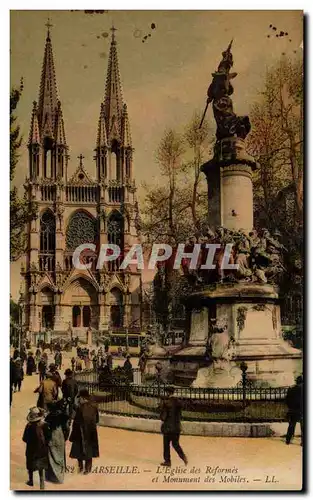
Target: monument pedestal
251	313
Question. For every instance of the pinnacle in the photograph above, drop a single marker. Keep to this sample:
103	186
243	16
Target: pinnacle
48	94
113	101
34	135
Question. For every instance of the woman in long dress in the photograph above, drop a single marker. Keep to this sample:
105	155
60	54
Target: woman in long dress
57	419
30	364
84	436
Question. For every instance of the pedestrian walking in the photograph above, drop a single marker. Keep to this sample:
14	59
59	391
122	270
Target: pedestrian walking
109	361
128	368
95	363
84	435
58	422
12	378
58	360
19	374
47	390
56	375
23	354
294	401
37	358
42	368
30	364
171	426
73	362
45	357
87	362
36	436
79	364
69	390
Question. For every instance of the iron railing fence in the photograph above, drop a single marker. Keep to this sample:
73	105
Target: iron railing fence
243	403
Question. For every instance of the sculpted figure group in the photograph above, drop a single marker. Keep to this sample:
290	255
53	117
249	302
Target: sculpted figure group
258	255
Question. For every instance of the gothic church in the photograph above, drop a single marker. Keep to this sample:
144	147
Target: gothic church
56	296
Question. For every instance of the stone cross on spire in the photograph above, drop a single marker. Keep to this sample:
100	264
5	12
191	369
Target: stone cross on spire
80	157
113	29
49	25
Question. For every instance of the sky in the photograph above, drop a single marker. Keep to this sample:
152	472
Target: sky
164	79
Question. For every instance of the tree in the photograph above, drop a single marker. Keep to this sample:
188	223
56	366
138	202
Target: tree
176	208
199	142
20	210
14	312
276	141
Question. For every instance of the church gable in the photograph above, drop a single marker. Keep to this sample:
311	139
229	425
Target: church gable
80	177
46	281
75	274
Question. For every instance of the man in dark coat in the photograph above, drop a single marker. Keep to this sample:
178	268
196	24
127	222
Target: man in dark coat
30	364
110	361
58	360
55	374
128	368
36	436
19	374
47	390
171	427
42	368
84	434
12	378
69	389
294	401
73	362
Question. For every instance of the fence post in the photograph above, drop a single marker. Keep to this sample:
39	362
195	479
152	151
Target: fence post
244	368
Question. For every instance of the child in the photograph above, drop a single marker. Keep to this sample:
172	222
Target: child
36	435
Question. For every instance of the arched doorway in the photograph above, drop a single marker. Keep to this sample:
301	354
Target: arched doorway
86	316
76	316
82	308
116	308
47	311
47	317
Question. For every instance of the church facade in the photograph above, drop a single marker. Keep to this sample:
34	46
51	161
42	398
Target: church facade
80	209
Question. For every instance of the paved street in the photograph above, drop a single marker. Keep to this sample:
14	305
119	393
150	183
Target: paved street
250	463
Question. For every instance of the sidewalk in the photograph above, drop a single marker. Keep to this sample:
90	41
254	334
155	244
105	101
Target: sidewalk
251	463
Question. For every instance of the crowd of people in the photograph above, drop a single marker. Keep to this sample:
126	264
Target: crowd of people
52	422
63	412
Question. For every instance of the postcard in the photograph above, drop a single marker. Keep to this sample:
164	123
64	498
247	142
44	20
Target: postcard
156	247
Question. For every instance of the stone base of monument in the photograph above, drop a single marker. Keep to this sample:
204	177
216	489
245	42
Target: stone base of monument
218	376
157	365
253	334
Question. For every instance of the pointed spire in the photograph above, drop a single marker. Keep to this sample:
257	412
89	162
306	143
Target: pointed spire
126	136
48	94
102	134
34	135
59	128
113	100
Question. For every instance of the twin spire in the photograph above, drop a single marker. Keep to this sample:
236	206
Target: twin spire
47	120
113	120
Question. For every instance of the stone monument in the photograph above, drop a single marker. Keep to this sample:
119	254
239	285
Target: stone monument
244	299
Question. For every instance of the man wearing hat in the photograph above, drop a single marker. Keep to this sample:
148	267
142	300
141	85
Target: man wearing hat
171	426
69	389
36	436
48	391
55	374
128	368
84	435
